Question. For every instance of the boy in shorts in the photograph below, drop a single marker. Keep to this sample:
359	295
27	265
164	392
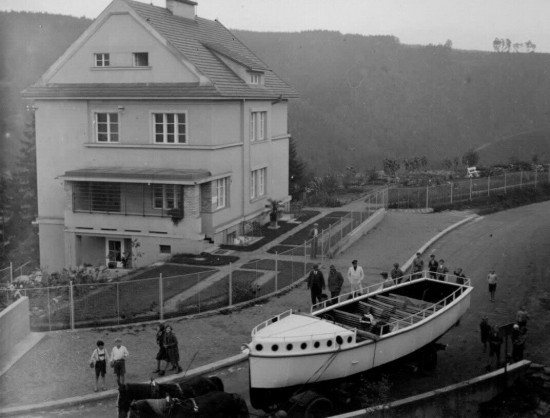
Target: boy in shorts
118	361
98	361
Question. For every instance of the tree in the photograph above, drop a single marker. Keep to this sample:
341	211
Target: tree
390	166
496	45
448	44
470	158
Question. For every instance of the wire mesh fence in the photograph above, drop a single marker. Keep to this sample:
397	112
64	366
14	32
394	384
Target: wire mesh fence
464	190
143	298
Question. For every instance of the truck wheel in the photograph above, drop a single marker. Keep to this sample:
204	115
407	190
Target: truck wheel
319	407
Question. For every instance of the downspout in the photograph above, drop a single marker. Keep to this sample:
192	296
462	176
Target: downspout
245	144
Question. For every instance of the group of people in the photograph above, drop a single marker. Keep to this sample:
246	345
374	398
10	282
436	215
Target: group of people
492	335
168	352
117	360
316	281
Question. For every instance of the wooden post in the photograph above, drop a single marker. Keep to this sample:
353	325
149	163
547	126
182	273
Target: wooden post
470	188
49	310
117	304
71	304
230	285
276	271
427	195
452	186
161	298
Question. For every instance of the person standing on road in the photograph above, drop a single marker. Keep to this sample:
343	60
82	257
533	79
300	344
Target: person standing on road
316	284
495	342
396	273
335	282
161	354
355	277
442	270
459	276
172	350
417	266
98	361
314	235
492	281
484	331
521	317
432	266
119	354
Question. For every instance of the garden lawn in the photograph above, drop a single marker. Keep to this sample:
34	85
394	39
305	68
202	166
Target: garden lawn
303	235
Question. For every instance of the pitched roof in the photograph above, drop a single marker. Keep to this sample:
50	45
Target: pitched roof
198	40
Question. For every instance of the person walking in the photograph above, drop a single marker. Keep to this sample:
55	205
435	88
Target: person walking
417	266
484	330
492	282
316	284
314	235
98	361
396	273
521	317
161	354
335	282
119	354
495	342
442	270
172	350
355	277
432	266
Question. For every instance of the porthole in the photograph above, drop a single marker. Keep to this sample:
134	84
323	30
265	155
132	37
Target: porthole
339	340
274	320
259	347
303	346
350	339
329	343
274	347
289	347
316	344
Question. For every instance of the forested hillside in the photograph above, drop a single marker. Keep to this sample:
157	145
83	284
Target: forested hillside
362	98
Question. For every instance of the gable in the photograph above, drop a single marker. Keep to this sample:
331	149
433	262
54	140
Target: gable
120	35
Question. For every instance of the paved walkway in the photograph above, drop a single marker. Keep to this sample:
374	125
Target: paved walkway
57	367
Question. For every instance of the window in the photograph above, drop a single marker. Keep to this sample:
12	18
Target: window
257	183
97	197
141	59
170	128
106	127
218	193
165	249
102	60
166	196
258	126
255	78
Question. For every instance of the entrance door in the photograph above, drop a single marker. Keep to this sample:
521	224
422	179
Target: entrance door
114	253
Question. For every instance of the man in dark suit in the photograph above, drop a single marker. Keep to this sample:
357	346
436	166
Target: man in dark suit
316	283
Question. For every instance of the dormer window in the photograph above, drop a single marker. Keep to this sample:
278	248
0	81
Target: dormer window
141	59
102	60
255	78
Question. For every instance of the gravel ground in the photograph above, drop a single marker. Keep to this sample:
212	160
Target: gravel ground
57	367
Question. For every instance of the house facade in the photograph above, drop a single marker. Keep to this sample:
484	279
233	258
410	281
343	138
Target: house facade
157	132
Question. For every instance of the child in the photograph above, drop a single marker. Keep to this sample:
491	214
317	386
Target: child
172	350
118	360
161	355
99	360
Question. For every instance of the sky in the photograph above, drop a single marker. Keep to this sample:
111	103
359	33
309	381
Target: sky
469	24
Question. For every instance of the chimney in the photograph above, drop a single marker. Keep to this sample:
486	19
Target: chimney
182	8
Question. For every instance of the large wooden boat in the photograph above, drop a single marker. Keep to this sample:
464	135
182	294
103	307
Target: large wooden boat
336	340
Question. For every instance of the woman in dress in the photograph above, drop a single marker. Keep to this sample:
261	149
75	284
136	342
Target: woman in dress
172	350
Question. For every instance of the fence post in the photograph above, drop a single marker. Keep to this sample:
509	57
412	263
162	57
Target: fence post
329	238
276	271
11	272
427	195
452	187
341	227
161	298
230	284
71	304
305	258
117	303
471	188
488	185
49	310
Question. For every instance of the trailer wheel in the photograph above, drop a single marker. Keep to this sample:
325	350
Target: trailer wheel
428	361
318	407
